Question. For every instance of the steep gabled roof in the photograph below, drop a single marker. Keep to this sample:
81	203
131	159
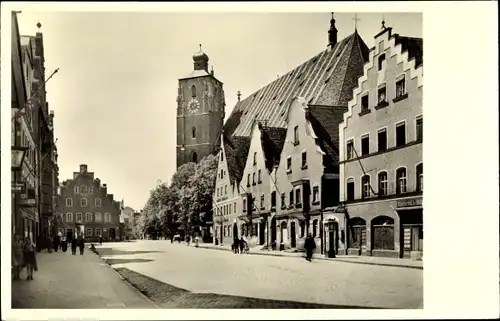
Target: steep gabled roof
273	140
327	78
325	121
236	152
414	46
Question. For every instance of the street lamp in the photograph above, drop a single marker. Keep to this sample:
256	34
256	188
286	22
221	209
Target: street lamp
18	154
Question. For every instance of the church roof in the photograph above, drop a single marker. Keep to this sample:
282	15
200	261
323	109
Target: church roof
273	139
236	152
196	73
327	79
325	121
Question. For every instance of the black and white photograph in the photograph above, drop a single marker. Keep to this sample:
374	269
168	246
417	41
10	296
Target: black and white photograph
237	159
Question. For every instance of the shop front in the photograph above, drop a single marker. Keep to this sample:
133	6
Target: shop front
410	213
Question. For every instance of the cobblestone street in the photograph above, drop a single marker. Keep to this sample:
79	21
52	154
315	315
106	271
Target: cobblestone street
286	279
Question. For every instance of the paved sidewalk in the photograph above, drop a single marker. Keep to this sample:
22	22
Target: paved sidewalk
66	281
372	260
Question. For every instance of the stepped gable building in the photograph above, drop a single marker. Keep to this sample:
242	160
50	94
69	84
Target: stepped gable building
324	82
381	164
226	199
256	197
88	209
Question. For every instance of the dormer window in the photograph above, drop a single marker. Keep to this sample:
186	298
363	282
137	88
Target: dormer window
381	62
77	190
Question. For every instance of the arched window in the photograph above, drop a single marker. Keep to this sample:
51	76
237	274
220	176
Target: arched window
365	182
193	132
194	157
382	184
193	91
401	180
221	156
420	177
383	233
356	232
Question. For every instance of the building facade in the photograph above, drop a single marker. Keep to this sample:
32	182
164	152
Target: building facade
200	112
258	202
25	214
227	204
381	166
88	209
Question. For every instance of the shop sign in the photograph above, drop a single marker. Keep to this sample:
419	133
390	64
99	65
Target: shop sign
18	187
410	202
221	199
28	202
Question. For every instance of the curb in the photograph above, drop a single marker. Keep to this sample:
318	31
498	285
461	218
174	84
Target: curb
127	282
320	258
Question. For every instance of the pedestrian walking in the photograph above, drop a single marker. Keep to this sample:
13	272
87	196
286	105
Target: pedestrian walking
73	245
81	244
59	239
242	245
235	246
309	245
100	239
17	256
55	243
51	244
29	257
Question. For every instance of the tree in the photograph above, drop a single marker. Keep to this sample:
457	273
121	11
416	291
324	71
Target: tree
184	204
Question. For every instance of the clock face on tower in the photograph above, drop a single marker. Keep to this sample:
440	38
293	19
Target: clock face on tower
193	105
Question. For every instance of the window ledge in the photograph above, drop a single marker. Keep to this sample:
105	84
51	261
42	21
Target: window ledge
290	206
382	105
259	182
299	205
253	184
315	203
304	167
262	208
288	171
248	185
364	112
273	207
296	143
283	207
403	97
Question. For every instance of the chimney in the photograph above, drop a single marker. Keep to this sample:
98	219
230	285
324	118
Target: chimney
105	189
83	168
212	70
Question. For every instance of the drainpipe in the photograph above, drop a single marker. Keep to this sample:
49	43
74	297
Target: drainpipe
321	231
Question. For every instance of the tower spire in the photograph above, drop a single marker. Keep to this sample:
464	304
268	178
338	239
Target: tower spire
332	33
238	94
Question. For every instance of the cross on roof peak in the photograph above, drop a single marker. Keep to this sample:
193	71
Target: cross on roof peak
356	19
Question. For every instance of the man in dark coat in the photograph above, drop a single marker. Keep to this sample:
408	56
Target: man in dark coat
73	245
81	244
309	245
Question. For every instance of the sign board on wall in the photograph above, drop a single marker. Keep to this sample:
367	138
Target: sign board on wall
410	202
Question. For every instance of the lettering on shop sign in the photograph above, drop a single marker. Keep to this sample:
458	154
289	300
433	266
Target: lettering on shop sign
410	202
221	199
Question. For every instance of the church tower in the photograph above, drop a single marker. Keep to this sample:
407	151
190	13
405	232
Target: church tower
200	112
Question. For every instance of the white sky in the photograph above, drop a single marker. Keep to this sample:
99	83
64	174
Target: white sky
115	94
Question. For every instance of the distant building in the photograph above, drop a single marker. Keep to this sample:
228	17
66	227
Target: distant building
88	208
127	217
381	166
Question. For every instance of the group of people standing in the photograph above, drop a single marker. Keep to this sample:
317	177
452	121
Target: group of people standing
23	255
240	246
